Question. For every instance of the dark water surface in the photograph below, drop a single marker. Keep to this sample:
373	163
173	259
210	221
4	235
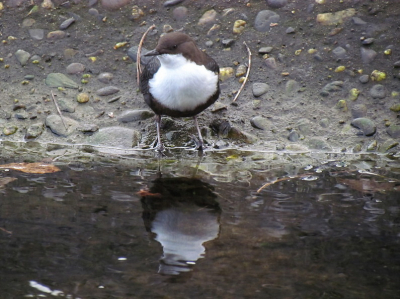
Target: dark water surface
145	228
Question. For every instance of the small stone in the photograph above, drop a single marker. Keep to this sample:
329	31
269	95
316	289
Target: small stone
225	73
106	91
56	125
339	52
66	105
331	87
9	130
60	80
180	13
378	75
394	131
119	137
21	114
22	57
387	145
368	41
227	42
364	79
264	19
358	21
396	64
208	17
34	131
135	115
292	87
336	17
395	108
260	88
54	35
68	22
372	146
324	122
239	26
82	98
241	70
357	148
366	125
169	3
260	122
242	136
270	62
367	55
293	136
359	110
114	4
378	91
213	30
290	30
304	126
105	77
265	50
218	107
37	34
88	128
276	3
318	144
75	68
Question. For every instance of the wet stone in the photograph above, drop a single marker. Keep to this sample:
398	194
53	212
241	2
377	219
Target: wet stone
134	115
293	136
372	146
21	114
366	125
378	91
66	105
37	34
106	91
60	80
22	57
9	130
364	79
259	89
367	55
358	110
260	122
34	131
318	144
88	128
82	97
276	3
264	19
394	131
116	137
75	68
387	145
331	87
56	125
105	77
64	25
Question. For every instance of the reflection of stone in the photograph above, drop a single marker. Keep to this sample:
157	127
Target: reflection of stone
183	214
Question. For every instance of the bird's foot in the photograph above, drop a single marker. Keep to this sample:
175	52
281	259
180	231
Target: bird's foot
199	144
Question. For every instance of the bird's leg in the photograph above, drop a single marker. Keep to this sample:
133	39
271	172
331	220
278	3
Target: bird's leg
160	146
200	143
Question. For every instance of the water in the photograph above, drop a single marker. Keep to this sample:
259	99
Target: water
232	225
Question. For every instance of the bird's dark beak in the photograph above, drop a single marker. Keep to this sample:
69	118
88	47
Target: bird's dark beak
152	53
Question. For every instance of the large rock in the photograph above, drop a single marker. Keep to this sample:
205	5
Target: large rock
264	19
134	115
366	125
119	137
56	125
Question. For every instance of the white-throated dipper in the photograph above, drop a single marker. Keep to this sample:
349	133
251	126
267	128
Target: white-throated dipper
180	80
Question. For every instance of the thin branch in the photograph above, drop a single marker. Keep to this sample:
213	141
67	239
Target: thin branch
139	51
283	179
247	74
58	110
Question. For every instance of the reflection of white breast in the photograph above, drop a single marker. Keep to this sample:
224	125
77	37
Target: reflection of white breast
180	84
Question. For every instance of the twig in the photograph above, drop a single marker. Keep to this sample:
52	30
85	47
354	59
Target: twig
247	74
58	110
139	51
281	180
6	231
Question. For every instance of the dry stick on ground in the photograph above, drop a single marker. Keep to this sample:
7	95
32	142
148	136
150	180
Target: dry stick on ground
247	74
58	110
139	51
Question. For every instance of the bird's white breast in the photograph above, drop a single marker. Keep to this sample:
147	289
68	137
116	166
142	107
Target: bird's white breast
180	84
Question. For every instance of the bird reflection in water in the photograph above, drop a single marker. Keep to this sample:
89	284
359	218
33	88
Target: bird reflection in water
182	214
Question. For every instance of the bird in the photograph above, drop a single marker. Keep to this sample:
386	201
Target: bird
179	80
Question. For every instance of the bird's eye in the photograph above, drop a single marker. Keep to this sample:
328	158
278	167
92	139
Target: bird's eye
174	47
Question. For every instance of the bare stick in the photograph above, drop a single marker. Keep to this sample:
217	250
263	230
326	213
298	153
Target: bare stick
281	180
247	74
58	110
138	65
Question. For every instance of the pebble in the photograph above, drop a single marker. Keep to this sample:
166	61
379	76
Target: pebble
358	21
34	131
116	137
37	34
335	18
270	62
368	41
387	145
134	115
172	2
359	110
208	18
372	146
396	64
60	80
394	131
114	4
209	44
28	22
213	30
366	125
318	144
260	88
88	128
21	114
82	97
22	56
264	19
260	122
54	35
265	50
304	126
367	55
66	105
239	26
364	79
293	136
378	91
9	130
241	70
292	87
242	136
339	52
56	125
276	3
331	87
218	107
290	30
106	91
324	122
180	13
227	42
75	68
395	108
68	22
105	77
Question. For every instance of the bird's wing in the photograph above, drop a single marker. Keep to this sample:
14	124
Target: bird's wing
212	65
147	73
